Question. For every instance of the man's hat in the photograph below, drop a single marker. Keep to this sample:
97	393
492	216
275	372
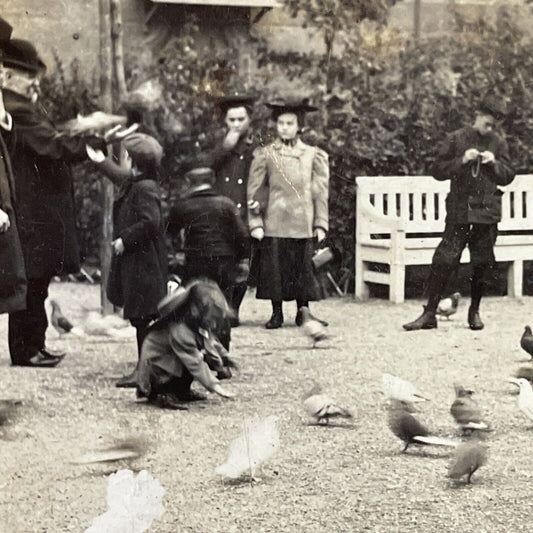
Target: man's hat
5	30
291	104
494	106
143	149
235	100
20	54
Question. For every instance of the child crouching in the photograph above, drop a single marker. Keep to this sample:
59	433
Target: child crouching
182	346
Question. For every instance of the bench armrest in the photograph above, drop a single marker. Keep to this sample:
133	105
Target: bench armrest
370	213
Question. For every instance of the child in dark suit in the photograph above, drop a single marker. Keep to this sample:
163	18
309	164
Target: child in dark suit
216	239
138	275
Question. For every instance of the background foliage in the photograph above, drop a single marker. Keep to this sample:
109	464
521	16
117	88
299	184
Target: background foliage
385	101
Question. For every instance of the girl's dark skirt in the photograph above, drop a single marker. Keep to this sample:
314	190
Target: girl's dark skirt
285	270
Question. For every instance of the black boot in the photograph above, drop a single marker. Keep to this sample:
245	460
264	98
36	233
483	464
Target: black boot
474	320
276	320
427	320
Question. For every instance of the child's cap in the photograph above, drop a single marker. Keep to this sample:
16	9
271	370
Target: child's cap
143	149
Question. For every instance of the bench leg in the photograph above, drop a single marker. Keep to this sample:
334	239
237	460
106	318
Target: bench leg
362	292
397	283
515	275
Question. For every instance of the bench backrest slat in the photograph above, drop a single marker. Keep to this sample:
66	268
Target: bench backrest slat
420	202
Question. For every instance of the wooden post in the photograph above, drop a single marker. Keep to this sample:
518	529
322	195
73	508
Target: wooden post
417	8
106	95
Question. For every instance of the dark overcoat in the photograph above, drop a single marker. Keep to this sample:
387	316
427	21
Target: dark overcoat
138	277
42	160
12	272
474	196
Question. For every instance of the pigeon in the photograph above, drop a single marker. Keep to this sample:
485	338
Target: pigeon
258	442
466	411
312	327
107	326
468	457
61	323
525	398
448	306
7	409
399	389
93	122
134	501
322	407
407	428
124	450
526	342
525	372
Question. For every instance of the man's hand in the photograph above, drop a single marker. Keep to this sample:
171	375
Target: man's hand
222	392
319	234
254	207
96	156
4	221
258	234
118	246
487	157
470	155
231	139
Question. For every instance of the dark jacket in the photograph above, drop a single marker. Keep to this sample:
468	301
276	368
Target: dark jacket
212	224
232	168
473	200
138	277
41	159
12	272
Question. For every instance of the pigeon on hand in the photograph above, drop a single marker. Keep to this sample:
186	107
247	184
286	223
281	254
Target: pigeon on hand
322	407
466	411
399	389
468	457
407	428
62	324
526	342
525	398
448	306
258	442
313	327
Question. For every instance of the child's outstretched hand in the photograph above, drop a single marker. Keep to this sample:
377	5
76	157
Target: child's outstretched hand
96	156
223	392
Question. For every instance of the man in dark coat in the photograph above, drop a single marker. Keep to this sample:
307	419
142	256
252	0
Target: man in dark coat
12	272
45	209
476	160
232	160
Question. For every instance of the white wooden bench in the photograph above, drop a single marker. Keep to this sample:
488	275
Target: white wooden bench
400	220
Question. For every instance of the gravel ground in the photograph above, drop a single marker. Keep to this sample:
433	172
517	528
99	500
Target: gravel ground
335	479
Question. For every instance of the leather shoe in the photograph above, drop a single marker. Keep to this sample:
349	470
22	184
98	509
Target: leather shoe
168	401
275	322
48	353
427	320
40	361
191	396
474	320
299	320
127	382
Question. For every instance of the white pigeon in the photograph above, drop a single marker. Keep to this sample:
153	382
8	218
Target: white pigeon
321	407
399	389
107	326
134	502
313	328
258	442
448	306
96	121
525	398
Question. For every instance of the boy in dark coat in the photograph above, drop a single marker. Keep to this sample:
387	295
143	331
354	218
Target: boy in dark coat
216	239
138	275
41	159
231	163
476	160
